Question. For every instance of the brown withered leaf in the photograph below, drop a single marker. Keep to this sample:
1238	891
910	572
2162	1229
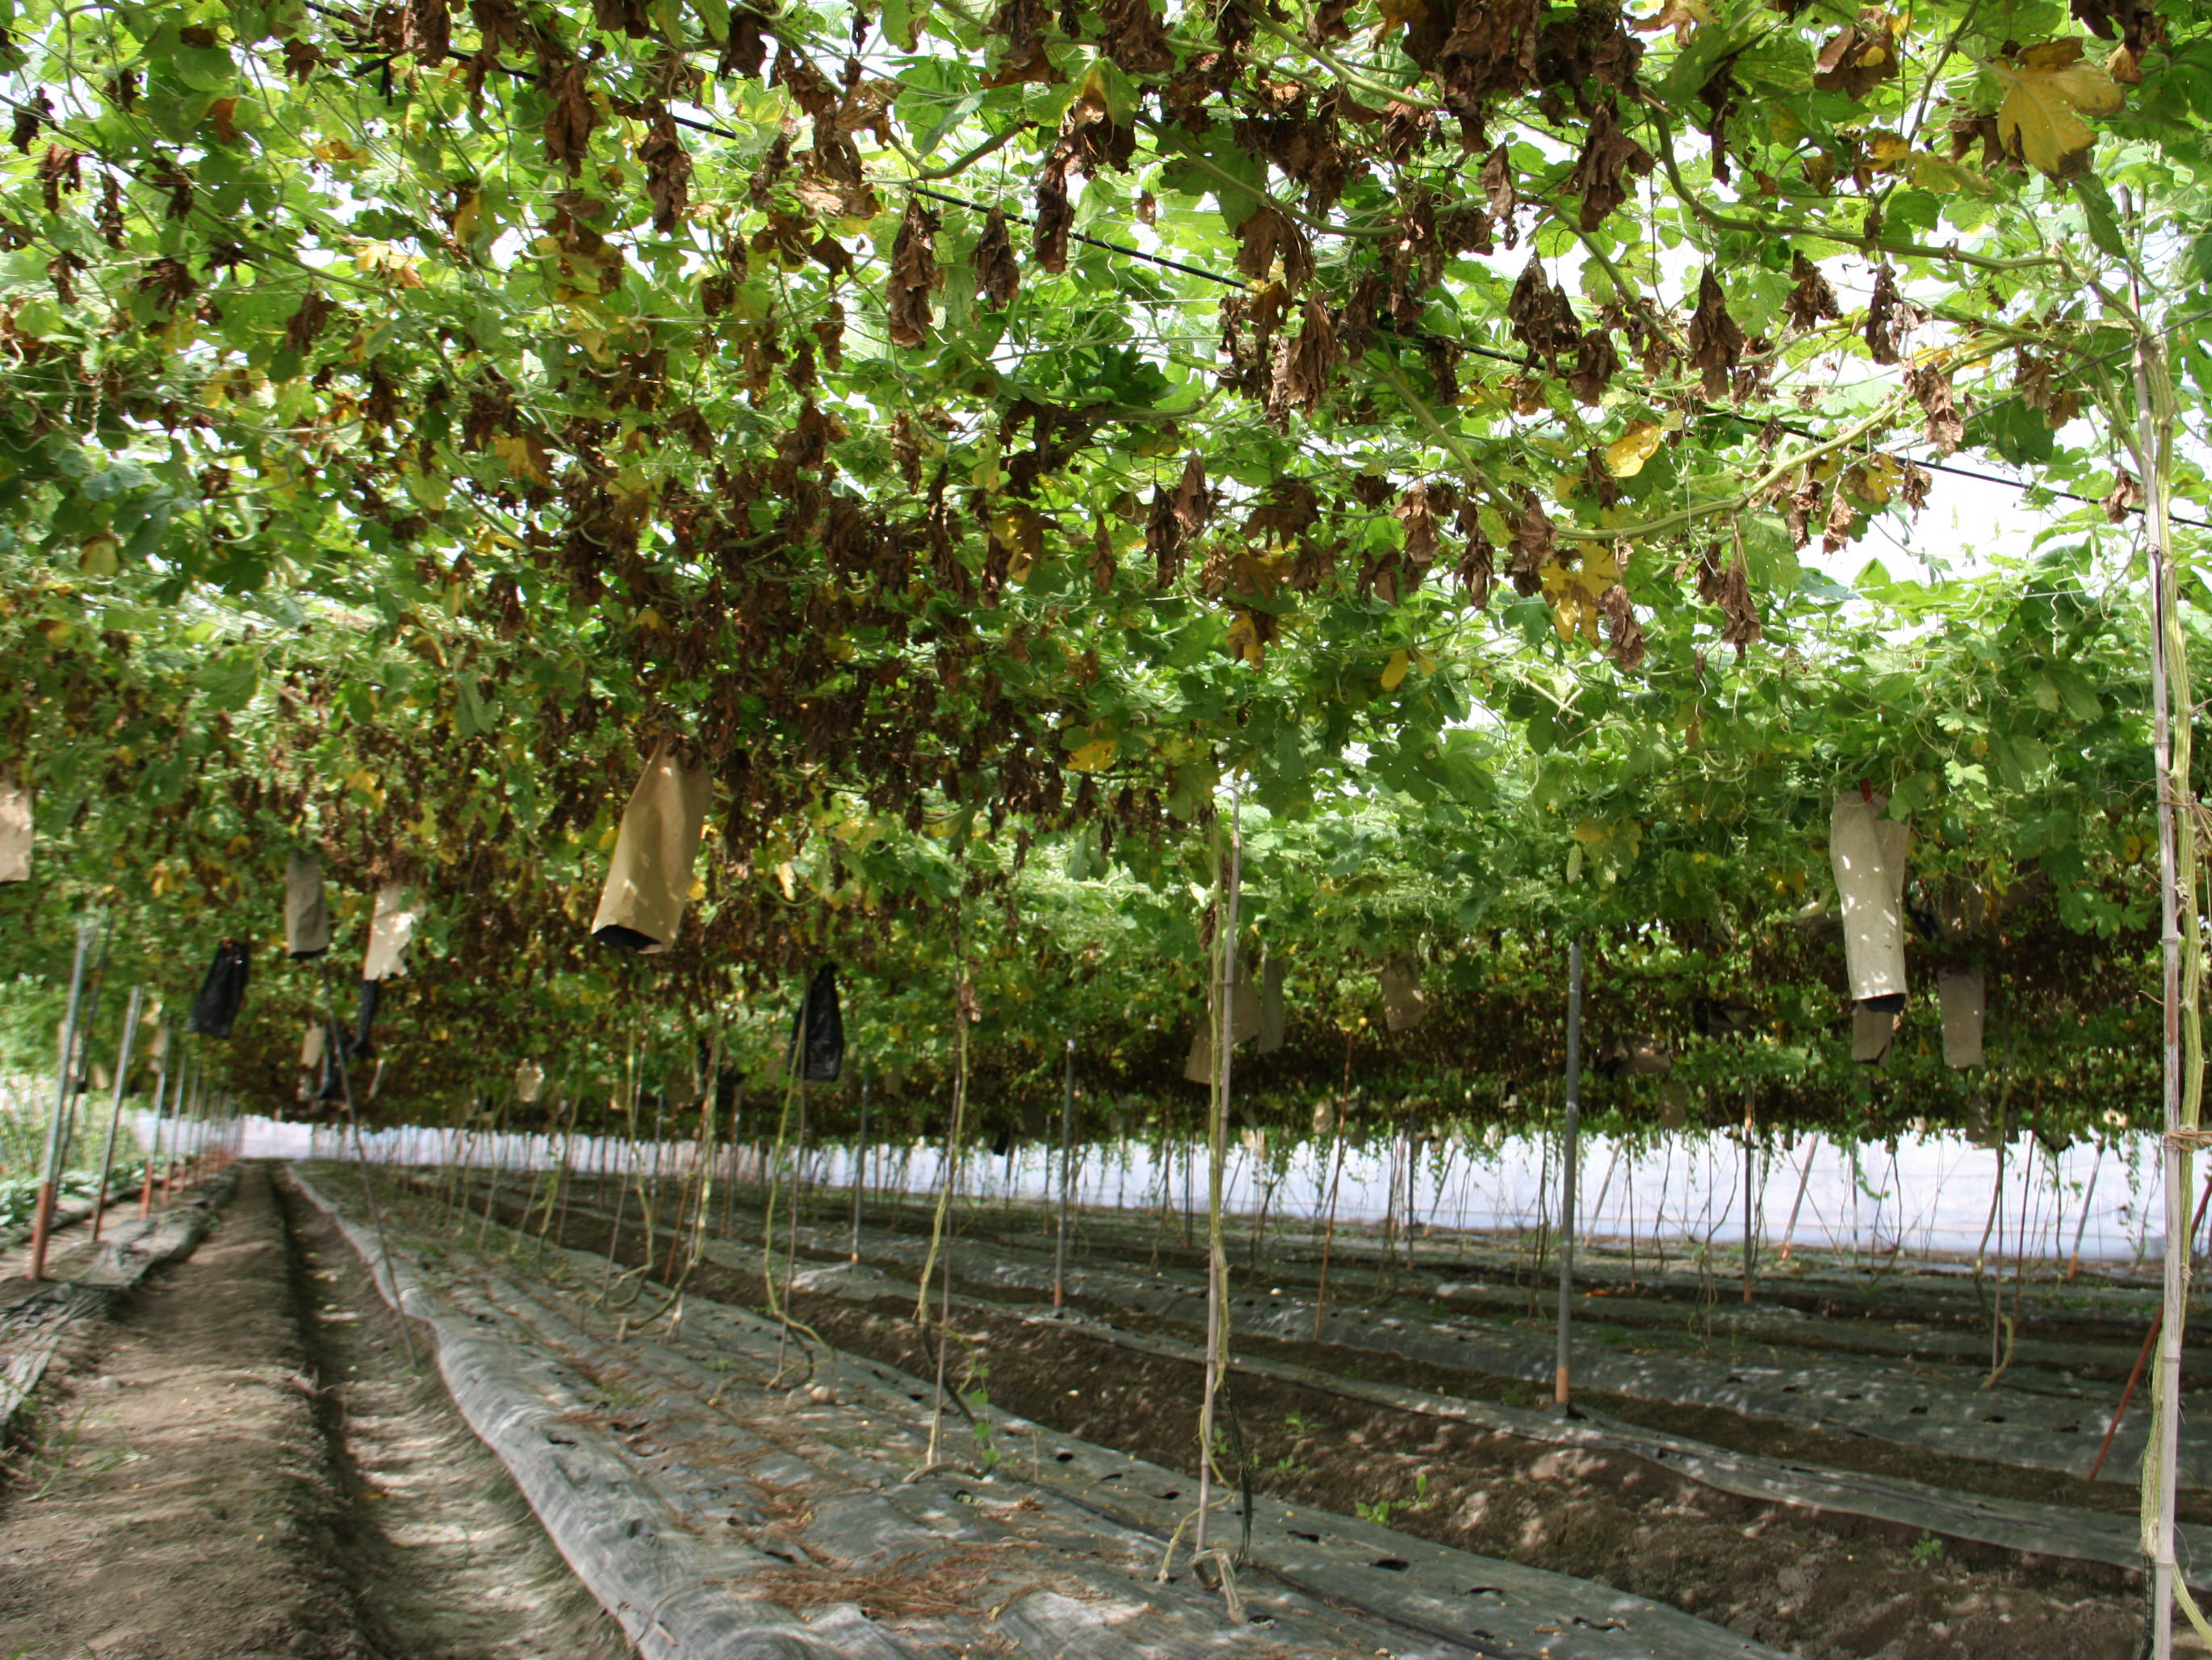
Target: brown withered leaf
745	47
1811	302
667	168
997	274
114	229
1534	543
2126	498
1056	215
622	17
1478	48
1889	319
1609	156
61	168
906	449
1542	317
2137	23
300	60
1305	367
1478	565
1497	189
570	118
1102	558
1190	502
1912	487
307	323
1130	34
913	274
1624	633
1743	628
1424	542
1841	517
28	118
1856	59
426	31
1267	233
828	331
1595	364
1716	343
168	282
1932	388
1292	509
1164	540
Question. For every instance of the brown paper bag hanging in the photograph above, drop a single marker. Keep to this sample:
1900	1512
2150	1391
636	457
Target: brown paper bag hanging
307	915
15	830
1869	855
311	1046
1198	1064
529	1081
1872	1030
1245	1017
390	927
1271	1003
1405	1004
649	880
1964	1000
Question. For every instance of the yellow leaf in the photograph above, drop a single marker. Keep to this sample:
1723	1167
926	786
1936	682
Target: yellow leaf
1393	672
338	150
784	880
1625	457
1095	755
98	556
1888	149
1244	641
525	457
698	888
2046	98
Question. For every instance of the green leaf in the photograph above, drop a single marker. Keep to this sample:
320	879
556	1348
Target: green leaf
2104	220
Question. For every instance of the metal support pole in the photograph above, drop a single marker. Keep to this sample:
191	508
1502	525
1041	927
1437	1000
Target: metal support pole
1066	1181
115	1107
42	1217
1572	1137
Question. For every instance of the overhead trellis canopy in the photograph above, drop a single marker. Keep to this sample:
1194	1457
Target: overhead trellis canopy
974	433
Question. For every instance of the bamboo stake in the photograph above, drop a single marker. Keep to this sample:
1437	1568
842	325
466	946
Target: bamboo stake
1563	1378
1067	1182
42	1217
115	1107
859	1173
154	1152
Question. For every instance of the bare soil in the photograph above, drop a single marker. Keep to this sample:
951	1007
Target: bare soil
240	1464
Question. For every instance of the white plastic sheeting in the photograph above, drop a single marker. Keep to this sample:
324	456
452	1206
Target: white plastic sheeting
1927	1194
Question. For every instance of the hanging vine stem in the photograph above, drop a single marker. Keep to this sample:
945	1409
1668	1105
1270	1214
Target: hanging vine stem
964	1014
1228	873
776	1309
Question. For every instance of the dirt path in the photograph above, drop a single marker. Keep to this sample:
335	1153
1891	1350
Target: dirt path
241	1465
